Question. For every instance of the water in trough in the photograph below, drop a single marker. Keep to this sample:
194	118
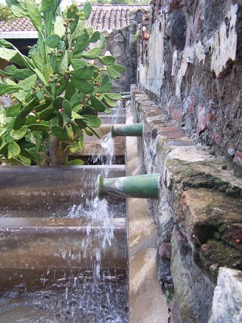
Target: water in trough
96	293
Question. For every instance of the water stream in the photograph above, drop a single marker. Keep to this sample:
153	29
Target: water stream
83	295
106	155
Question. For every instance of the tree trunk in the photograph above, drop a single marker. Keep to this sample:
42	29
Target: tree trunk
58	155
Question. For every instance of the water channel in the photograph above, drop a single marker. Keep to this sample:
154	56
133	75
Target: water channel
63	252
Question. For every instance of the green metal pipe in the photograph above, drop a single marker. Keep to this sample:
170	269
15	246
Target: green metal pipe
134	130
127	96
139	186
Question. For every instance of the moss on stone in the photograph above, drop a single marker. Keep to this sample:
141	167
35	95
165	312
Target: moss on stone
216	253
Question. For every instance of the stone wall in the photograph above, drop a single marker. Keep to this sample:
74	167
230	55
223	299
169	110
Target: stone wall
122	44
198	217
190	63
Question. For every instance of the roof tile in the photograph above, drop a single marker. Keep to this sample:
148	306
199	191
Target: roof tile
103	17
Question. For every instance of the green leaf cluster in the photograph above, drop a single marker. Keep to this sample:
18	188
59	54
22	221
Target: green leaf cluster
59	88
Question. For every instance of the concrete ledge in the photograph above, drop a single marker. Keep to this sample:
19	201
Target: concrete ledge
146	303
42	245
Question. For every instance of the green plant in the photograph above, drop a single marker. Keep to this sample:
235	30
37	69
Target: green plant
58	90
5	13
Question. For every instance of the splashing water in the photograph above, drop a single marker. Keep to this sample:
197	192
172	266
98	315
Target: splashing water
107	150
97	214
120	106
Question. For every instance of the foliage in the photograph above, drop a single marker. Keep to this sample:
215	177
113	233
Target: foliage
58	90
5	13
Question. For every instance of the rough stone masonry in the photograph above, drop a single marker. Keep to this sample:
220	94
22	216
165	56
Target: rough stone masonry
189	76
191	64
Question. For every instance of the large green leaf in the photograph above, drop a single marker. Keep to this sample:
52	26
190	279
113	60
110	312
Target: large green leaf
34	14
7	54
81	85
102	41
8	88
87	10
19	134
81	44
72	15
75	115
92	53
21	96
119	68
97	105
57	103
63	82
5	43
59	28
85	73
3	147
10	69
45	5
55	5
17	8
59	132
92	131
110	102
107	60
95	37
47	28
21	74
64	64
28	83
38	127
13	150
42	52
18	122
42	106
78	63
13	110
105	87
69	91
47	114
53	41
26	161
114	96
28	107
67	108
114	74
92	121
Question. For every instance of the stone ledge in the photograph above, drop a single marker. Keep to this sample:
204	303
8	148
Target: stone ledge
206	217
198	214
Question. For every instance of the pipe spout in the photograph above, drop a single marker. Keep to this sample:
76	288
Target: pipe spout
133	130
125	95
139	186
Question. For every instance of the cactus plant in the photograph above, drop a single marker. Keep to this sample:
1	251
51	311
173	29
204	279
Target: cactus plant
57	90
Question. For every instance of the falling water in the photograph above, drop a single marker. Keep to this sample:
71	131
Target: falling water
98	214
117	112
80	295
107	150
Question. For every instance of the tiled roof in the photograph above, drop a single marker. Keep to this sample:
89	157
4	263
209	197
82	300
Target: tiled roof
103	17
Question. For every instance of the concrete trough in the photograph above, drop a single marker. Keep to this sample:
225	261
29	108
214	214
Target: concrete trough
43	192
34	251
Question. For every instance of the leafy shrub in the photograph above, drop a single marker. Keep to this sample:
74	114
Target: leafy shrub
58	90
